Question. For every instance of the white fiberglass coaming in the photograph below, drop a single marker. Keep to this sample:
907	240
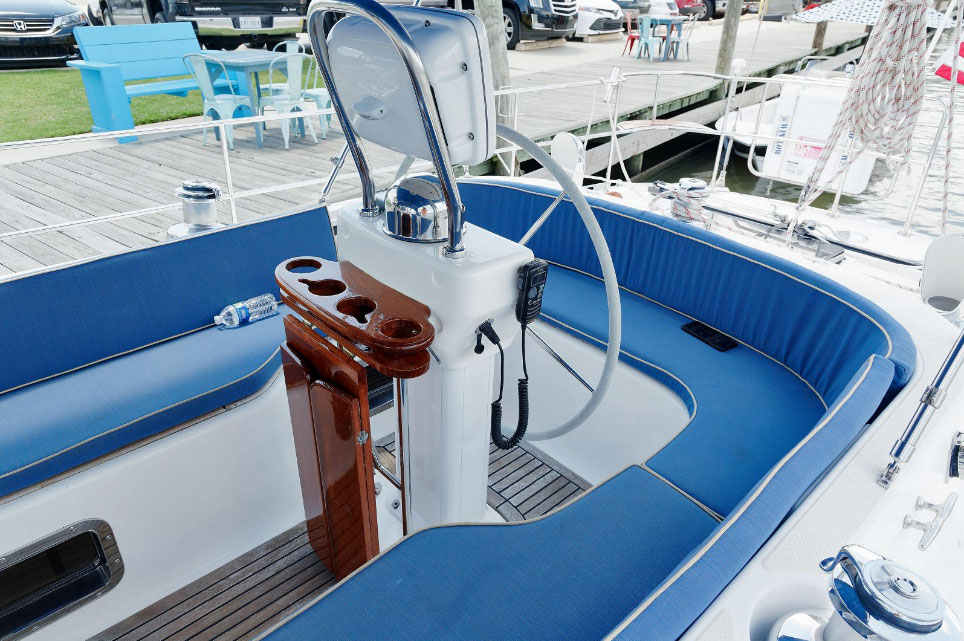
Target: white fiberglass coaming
205	492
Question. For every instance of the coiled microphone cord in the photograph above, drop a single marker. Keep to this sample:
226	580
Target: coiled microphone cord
498	438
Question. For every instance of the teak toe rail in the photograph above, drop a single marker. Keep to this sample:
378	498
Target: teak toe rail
383	327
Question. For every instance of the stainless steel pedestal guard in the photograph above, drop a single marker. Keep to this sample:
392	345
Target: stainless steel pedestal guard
431	120
415	210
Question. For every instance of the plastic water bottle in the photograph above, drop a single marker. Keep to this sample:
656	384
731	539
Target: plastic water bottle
248	311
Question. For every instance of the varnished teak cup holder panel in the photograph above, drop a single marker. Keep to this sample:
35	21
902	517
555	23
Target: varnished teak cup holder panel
400	328
380	324
357	307
324	287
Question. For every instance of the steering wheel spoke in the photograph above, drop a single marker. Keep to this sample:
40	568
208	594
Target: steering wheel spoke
559	359
540	221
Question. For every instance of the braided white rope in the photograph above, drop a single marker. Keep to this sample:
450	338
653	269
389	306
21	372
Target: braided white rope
950	123
688	197
885	95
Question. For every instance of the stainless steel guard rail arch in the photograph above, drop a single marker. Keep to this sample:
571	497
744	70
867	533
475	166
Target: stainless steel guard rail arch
431	121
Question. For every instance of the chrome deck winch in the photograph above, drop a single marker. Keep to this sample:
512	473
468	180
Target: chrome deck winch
199	204
873	598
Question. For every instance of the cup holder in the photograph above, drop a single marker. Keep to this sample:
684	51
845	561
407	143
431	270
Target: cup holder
358	307
326	287
400	328
303	265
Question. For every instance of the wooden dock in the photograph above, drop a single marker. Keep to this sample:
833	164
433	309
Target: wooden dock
59	185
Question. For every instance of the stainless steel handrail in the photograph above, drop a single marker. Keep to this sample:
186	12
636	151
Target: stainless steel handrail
186	127
431	120
930	402
174	126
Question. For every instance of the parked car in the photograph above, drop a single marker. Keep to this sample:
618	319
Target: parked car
523	19
533	19
653	7
650	7
218	23
598	16
711	8
36	32
691	7
777	9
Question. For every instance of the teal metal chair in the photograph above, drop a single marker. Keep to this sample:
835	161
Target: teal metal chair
652	44
292	98
219	106
681	39
285	46
318	95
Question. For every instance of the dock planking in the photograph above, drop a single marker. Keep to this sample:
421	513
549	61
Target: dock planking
113	179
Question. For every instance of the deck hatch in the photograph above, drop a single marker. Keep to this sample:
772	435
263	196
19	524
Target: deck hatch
48	578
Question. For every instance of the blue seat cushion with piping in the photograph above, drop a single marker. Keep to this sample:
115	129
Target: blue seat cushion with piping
571	575
436	584
817	327
78	337
631	559
58	320
672	272
53	426
746	410
692	587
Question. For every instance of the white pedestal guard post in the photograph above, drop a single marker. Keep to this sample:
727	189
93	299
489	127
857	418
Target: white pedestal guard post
447	409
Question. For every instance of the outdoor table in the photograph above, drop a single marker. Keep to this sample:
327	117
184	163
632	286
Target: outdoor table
671	22
249	63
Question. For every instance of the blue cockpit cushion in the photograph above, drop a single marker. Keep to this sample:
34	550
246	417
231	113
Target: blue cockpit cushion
767	420
108	352
573	574
826	330
58	320
53	426
692	586
803	335
733	397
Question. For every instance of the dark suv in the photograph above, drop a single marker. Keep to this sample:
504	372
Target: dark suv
538	20
530	19
37	31
218	23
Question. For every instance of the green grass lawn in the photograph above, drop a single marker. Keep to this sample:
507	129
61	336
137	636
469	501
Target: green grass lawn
51	102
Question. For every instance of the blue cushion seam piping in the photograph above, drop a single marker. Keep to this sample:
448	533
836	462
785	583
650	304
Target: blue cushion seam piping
716	516
890	344
397	543
747	345
741	510
106	358
644	465
141	418
689	391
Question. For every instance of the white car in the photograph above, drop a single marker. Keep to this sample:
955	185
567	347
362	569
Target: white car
598	16
663	8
